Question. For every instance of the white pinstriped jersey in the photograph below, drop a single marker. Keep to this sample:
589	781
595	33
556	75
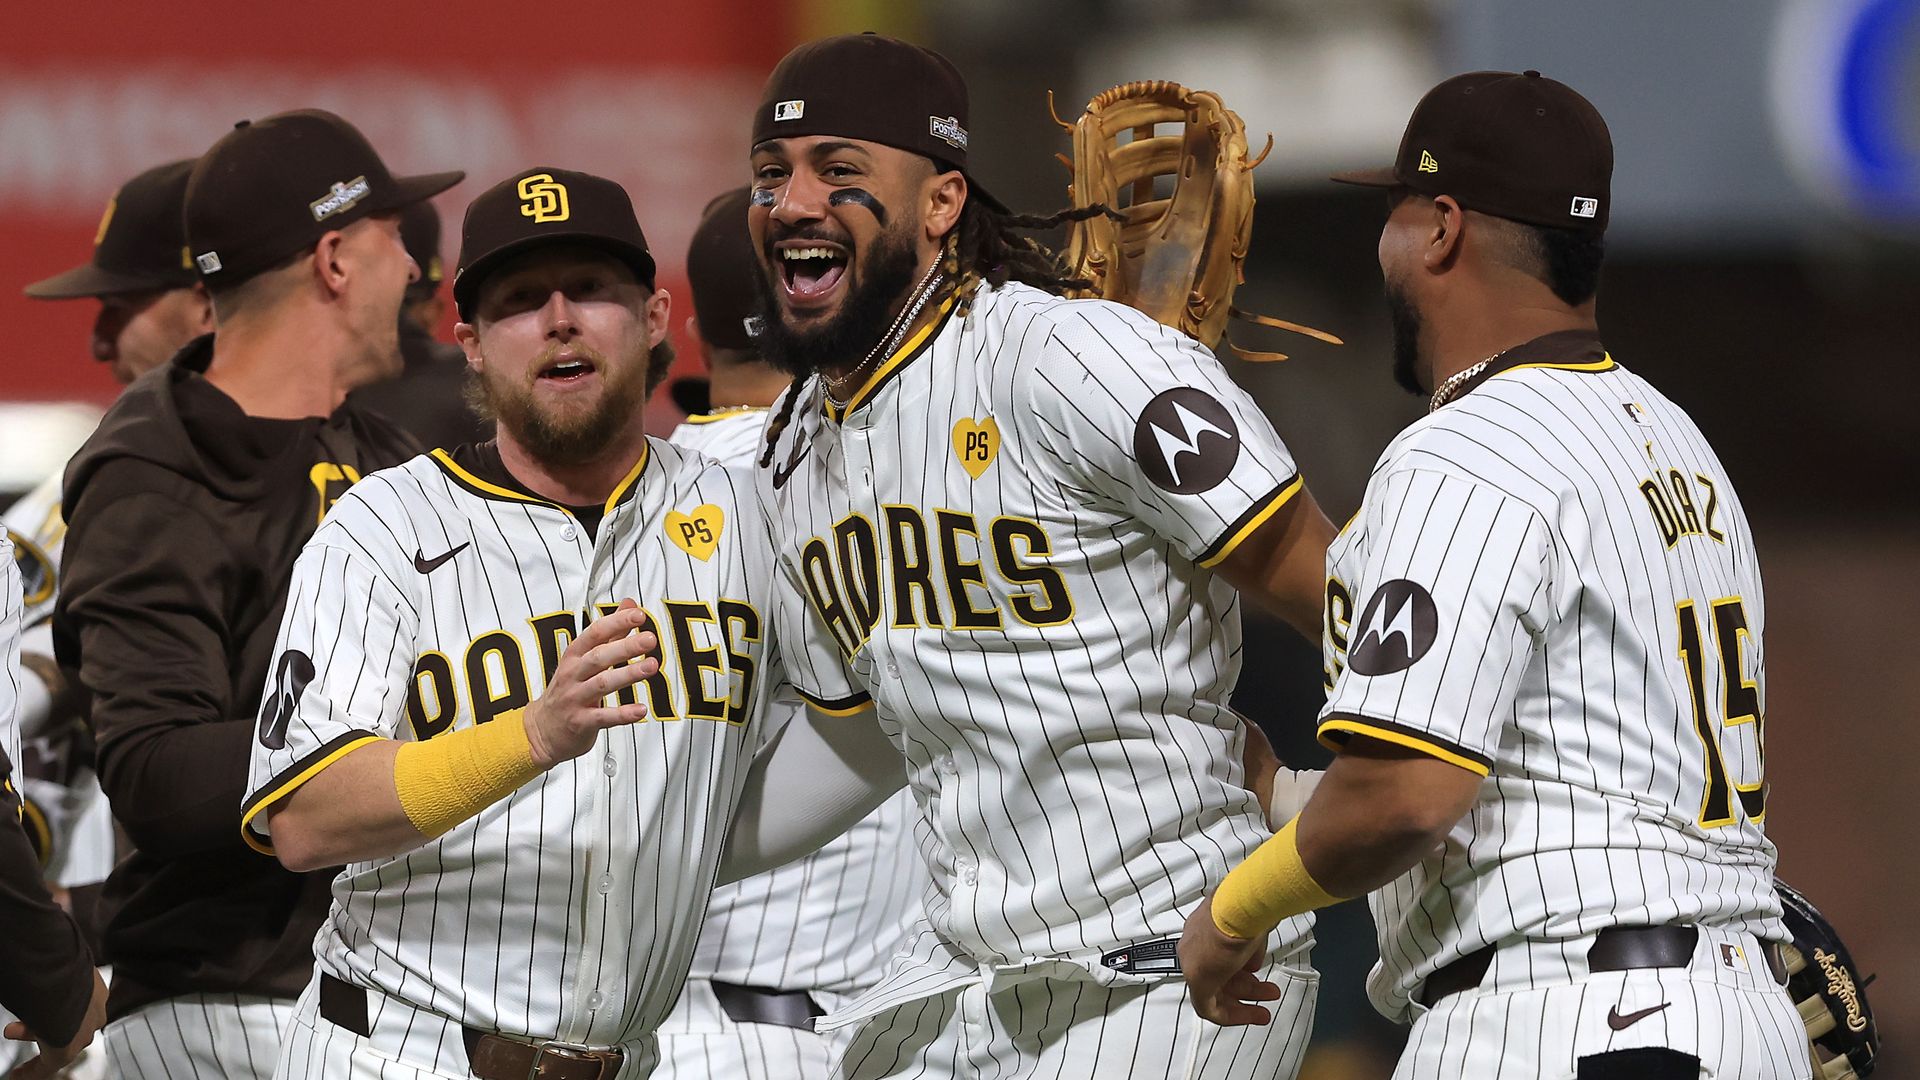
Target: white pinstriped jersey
1551	582
75	812
1003	543
10	610
432	599
828	921
35	518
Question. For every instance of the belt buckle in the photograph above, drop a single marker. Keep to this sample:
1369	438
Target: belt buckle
537	1069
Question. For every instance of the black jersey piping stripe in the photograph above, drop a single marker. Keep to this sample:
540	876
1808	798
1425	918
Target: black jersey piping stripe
1246	524
1333	732
906	354
292	777
845	706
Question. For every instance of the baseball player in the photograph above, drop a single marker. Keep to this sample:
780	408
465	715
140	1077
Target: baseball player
783	947
186	510
150	307
1013	526
1547	628
427	399
46	972
524	888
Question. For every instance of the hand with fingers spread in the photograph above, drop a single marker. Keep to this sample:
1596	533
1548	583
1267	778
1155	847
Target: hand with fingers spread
52	1059
614	652
1222	972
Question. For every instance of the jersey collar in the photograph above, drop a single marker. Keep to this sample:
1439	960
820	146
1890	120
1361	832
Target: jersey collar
1566	350
909	351
478	468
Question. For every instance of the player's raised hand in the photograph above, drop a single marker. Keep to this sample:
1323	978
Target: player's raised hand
1222	972
610	655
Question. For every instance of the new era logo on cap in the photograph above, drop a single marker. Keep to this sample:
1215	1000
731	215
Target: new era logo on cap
1427	164
341	196
1585	206
789	110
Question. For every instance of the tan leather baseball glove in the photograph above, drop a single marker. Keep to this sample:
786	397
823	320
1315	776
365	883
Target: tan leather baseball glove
1177	244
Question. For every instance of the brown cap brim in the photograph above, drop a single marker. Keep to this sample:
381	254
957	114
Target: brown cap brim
467	281
408	190
90	280
1381	177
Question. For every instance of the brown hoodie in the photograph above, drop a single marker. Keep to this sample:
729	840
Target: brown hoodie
184	519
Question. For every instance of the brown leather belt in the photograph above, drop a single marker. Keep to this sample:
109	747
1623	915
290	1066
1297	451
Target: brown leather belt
1617	948
492	1056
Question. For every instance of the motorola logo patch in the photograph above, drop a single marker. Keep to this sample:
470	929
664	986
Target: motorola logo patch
290	678
1397	628
1186	441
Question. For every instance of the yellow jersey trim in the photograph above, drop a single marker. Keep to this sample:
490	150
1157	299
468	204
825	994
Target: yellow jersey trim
625	485
894	363
1239	535
473	482
41	834
836	708
738	410
1605	363
292	785
1400	738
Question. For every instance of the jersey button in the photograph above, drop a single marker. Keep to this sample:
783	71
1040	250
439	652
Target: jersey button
606	884
568	533
609	767
593	1000
893	670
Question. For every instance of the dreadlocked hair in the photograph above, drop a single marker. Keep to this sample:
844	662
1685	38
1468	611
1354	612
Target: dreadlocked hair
788	398
986	245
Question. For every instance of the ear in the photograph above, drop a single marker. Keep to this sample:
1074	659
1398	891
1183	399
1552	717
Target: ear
946	194
659	314
692	329
203	308
1443	241
329	262
467	336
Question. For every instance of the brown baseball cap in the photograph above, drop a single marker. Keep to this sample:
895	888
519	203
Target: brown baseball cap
140	246
874	88
1518	146
541	206
273	187
721	264
420	232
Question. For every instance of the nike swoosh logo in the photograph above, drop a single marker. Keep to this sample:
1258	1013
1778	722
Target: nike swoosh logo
1618	1022
780	475
428	566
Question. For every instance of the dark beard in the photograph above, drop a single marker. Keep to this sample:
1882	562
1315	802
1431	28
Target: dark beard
845	338
575	440
1406	342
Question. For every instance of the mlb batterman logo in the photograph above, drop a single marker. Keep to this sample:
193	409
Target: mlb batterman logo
789	110
543	198
1585	206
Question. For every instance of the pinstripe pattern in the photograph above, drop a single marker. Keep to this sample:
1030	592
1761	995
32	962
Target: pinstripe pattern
1067	738
1532	1019
569	910
1071	1029
10	608
199	1036
1556	667
77	812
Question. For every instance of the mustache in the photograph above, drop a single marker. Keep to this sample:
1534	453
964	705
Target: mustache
579	348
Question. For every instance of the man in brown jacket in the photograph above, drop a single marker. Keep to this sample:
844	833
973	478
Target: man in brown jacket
185	511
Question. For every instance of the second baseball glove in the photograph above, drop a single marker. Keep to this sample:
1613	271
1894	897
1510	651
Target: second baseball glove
1176	244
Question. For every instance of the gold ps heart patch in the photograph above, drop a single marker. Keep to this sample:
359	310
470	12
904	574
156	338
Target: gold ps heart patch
976	444
697	533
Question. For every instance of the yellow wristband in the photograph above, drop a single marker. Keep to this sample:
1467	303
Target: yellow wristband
1271	886
446	780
